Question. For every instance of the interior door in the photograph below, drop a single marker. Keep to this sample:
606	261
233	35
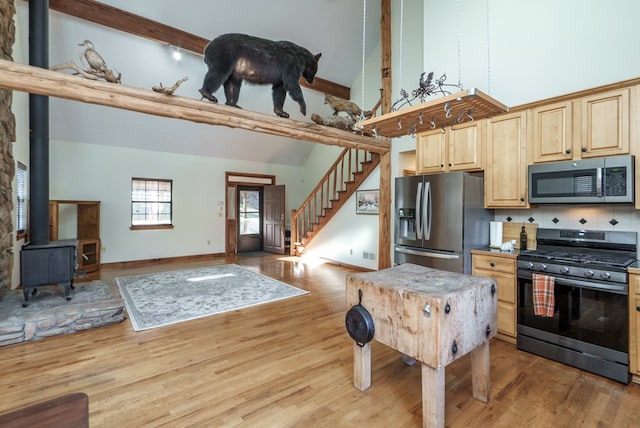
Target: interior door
250	218
274	219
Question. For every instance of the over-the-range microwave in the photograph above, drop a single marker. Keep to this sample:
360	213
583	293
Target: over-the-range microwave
589	181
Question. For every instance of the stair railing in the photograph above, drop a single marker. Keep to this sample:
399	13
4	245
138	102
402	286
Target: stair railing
322	197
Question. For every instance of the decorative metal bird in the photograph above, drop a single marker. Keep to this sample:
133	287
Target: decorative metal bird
92	57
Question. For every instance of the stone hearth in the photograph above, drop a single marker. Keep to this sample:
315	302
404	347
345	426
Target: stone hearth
93	304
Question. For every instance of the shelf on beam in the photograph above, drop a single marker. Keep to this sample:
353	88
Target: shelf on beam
461	107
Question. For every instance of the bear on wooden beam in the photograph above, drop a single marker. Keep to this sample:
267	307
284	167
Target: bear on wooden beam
232	58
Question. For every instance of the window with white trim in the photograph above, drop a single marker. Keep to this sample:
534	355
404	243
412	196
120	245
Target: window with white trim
151	203
21	200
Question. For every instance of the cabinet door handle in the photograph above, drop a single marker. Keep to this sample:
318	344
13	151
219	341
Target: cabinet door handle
568	151
638	308
583	150
492	264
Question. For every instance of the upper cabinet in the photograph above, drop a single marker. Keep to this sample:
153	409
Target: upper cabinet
552	132
604	124
505	176
459	148
590	126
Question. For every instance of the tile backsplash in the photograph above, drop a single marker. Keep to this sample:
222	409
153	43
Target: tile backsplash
592	217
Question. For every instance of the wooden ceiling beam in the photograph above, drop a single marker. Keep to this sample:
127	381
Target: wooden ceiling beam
35	80
118	19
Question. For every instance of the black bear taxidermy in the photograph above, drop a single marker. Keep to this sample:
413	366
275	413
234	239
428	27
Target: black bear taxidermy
232	58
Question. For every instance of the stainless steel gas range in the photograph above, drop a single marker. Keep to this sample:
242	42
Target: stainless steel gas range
585	274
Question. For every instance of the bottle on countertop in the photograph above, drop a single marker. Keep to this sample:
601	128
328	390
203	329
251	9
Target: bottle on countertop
523	239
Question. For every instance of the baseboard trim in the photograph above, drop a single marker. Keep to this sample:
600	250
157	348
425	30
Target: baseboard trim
147	262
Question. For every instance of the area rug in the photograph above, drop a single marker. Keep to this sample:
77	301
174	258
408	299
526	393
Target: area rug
165	298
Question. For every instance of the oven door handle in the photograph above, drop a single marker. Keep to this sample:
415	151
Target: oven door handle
559	280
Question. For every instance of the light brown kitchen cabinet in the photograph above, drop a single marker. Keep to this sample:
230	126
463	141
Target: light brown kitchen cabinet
457	148
502	268
505	172
604	124
590	126
86	216
552	132
634	325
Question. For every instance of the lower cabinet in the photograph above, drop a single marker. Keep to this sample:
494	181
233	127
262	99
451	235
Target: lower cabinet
502	268
88	255
634	324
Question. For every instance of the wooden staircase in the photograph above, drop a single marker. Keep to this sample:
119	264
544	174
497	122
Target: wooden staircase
342	179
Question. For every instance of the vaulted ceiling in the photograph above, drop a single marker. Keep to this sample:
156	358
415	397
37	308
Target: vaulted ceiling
332	27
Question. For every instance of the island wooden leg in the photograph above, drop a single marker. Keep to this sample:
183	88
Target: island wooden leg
362	366
480	372
432	396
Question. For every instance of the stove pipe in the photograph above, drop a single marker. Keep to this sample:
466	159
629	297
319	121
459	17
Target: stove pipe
39	126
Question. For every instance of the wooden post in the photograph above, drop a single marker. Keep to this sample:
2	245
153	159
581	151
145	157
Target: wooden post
362	366
385	36
384	217
480	372
384	213
433	380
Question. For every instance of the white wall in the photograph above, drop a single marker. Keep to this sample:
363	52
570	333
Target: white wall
84	171
538	50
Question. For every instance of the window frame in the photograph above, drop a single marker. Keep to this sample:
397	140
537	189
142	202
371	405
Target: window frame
22	205
151	226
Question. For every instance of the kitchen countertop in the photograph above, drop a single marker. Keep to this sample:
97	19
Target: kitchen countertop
410	277
495	252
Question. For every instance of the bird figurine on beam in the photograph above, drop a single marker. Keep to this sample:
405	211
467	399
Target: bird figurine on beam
96	65
92	57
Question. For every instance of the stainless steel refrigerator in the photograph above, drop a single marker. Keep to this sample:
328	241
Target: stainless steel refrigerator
439	218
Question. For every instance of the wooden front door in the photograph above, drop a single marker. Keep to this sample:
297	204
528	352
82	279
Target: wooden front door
274	220
250	219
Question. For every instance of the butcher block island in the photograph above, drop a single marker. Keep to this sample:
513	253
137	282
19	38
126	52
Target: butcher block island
430	315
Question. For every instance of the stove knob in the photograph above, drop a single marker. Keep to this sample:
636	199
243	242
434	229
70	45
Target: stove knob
542	267
530	266
605	275
564	270
588	273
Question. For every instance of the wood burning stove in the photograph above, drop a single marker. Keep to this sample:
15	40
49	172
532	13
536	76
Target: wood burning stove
53	263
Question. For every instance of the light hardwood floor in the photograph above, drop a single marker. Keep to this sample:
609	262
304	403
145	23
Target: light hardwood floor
286	364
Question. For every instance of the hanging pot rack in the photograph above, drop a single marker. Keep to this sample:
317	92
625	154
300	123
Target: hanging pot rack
450	110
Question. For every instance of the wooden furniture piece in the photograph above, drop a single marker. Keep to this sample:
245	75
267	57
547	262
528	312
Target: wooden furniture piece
87	230
68	411
505	173
634	324
502	268
432	316
457	148
590	126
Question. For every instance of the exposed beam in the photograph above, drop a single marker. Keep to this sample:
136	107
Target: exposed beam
385	36
384	215
40	81
118	19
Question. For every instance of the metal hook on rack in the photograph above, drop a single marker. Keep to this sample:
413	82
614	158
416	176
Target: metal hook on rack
433	122
461	115
399	123
447	109
414	131
420	118
374	131
470	115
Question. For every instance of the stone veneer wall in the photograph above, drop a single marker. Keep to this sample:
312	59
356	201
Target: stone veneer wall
7	164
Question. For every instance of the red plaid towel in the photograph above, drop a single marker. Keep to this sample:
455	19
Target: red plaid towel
543	298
